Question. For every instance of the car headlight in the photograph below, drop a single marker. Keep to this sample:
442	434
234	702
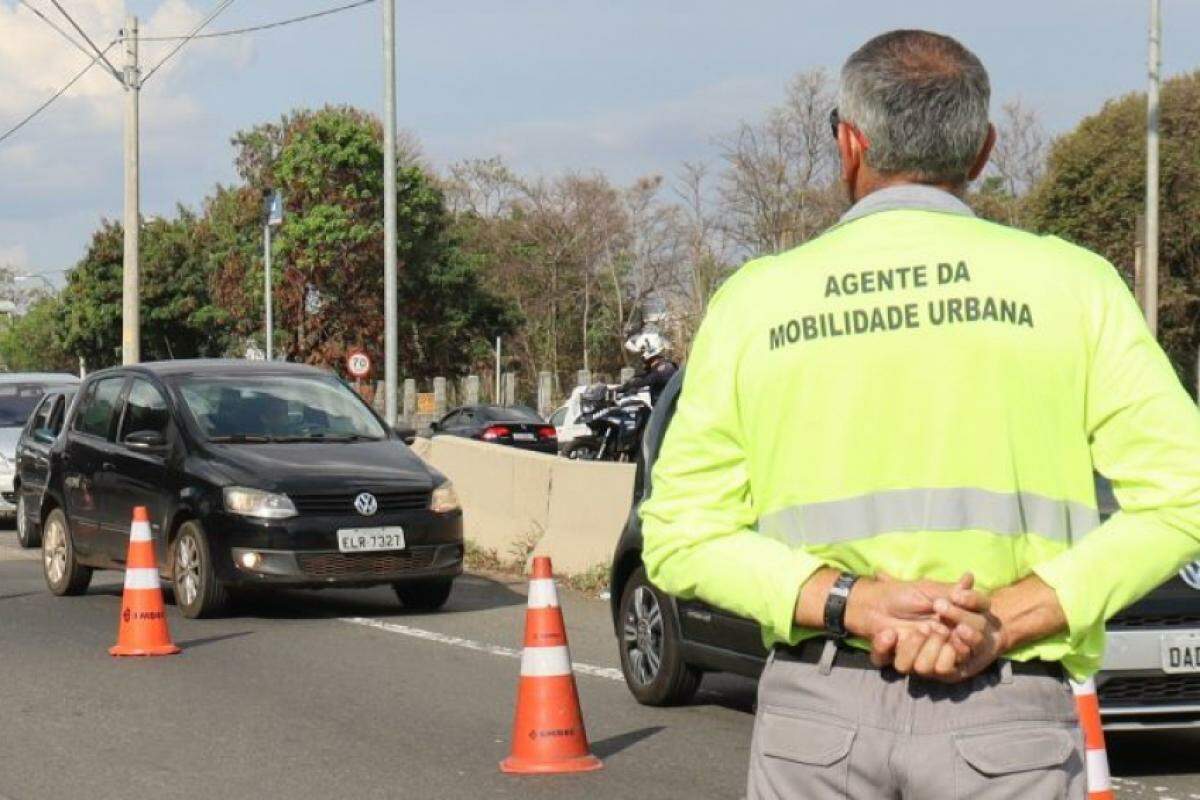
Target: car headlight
444	499
257	503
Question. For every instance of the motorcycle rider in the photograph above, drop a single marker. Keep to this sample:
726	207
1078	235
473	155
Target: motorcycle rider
658	369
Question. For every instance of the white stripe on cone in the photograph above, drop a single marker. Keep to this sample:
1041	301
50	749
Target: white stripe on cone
542	593
545	662
1098	779
141	578
139	532
1087	687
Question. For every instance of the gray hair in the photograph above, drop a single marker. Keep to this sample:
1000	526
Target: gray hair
921	100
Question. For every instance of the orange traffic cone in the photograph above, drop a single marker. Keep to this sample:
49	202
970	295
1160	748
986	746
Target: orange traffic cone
1099	781
548	734
143	619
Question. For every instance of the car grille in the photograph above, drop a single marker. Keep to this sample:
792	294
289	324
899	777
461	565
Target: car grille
352	565
1125	621
1134	691
343	504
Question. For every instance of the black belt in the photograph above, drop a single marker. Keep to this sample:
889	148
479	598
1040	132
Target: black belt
809	652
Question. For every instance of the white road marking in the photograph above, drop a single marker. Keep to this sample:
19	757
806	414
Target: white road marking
470	644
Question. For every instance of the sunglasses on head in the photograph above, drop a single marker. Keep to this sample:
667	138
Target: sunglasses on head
834	121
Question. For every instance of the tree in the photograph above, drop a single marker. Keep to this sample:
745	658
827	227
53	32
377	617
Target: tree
32	343
1093	191
328	164
178	316
778	187
1017	163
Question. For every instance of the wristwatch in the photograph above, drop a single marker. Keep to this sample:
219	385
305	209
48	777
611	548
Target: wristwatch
835	605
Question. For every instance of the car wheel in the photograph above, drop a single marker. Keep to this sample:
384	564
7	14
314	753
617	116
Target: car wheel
581	450
424	595
651	656
198	592
27	535
64	574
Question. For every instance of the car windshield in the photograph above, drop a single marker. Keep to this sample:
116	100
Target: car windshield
512	414
277	408
17	401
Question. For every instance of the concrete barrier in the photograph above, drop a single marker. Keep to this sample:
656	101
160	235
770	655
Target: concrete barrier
522	504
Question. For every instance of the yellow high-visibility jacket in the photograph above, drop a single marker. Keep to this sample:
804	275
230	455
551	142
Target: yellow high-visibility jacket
920	392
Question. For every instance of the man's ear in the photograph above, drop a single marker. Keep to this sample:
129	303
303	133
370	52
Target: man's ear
985	152
852	149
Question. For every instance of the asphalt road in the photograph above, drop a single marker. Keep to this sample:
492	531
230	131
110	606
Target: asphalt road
291	700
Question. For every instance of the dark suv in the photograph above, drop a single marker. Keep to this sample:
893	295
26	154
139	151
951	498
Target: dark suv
1149	680
254	475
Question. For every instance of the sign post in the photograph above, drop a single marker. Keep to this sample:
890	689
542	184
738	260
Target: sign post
358	364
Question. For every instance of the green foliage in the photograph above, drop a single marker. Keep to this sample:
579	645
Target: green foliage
1094	190
32	343
178	317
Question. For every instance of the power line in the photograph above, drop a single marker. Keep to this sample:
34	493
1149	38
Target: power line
86	38
221	6
267	26
56	27
58	94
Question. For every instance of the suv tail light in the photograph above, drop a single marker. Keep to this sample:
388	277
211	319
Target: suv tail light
547	432
494	432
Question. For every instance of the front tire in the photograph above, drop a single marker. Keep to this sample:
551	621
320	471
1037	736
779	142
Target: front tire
651	653
28	536
65	576
198	592
428	595
582	449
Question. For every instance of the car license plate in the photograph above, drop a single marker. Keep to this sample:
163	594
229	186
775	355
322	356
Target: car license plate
366	540
1181	652
524	437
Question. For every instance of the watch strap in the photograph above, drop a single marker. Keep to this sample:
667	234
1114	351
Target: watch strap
835	605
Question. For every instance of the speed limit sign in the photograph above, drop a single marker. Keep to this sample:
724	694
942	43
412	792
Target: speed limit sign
358	364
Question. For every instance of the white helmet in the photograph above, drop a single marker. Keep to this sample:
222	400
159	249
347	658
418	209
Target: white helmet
647	345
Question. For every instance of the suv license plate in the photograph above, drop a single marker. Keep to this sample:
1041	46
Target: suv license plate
1181	652
365	540
524	437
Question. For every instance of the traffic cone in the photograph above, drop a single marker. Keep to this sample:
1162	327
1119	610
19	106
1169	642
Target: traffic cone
143	629
1099	781
548	734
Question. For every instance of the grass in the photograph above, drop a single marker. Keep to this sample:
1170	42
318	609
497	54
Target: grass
590	582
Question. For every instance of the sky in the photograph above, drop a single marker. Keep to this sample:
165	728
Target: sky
629	87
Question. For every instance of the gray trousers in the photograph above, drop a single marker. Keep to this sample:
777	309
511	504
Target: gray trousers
878	735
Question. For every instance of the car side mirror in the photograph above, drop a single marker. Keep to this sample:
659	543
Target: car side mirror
43	436
406	435
146	441
435	426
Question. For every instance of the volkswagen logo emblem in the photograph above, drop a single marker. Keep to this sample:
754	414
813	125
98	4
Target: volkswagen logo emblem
1191	574
366	504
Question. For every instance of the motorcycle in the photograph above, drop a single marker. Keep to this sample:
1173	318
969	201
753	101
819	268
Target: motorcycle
617	423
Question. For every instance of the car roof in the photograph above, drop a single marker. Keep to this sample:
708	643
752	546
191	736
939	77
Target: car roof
57	378
218	367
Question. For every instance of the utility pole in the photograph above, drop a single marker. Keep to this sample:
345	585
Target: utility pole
130	323
497	370
1152	171
390	344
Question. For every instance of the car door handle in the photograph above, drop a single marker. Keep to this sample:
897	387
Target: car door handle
108	466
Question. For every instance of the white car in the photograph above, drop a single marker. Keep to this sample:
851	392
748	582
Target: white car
19	395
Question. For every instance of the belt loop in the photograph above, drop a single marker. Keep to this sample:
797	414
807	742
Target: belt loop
825	665
1006	672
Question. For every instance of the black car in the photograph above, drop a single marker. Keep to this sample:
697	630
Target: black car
255	475
515	426
666	644
33	458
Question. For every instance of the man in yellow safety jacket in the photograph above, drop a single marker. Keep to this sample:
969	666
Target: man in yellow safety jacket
914	400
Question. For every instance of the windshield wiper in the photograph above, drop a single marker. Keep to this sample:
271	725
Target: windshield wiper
241	438
328	437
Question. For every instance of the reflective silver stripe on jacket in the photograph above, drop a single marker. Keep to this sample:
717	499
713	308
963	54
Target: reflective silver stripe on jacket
901	510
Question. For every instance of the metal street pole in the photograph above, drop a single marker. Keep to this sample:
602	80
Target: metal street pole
497	370
390	345
267	291
130	323
1152	171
